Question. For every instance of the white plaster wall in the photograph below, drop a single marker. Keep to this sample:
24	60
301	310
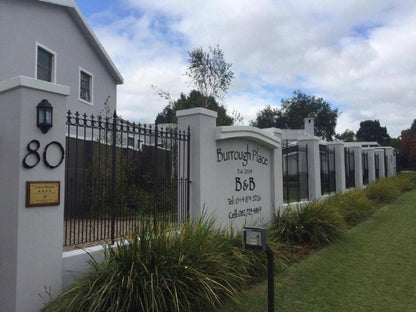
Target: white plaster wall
31	252
76	263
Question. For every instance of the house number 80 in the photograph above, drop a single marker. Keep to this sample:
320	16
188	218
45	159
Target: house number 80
33	148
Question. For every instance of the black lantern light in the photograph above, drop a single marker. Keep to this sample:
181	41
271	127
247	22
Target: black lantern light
44	116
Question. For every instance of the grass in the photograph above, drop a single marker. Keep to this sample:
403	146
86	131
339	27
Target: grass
198	266
370	269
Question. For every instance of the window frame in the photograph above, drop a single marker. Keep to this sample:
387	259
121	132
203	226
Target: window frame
91	102
54	56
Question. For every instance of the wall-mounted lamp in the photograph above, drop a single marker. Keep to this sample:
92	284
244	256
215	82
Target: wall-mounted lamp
44	116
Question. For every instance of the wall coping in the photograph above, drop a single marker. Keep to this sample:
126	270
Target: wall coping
368	149
309	138
196	111
274	131
335	143
28	82
249	133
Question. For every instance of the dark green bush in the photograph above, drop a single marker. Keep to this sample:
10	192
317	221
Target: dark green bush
310	224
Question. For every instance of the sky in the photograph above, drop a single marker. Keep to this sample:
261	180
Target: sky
360	56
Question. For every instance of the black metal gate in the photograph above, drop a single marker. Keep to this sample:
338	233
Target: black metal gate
121	174
349	168
327	159
295	172
377	165
365	167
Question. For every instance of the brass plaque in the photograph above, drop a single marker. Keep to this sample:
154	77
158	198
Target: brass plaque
39	194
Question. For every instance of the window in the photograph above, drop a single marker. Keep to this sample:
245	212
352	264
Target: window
45	64
85	86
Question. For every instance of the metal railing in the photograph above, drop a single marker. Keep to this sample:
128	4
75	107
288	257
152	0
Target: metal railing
120	174
327	160
295	172
364	158
349	168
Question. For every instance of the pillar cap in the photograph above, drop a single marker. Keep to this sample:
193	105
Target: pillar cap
249	133
196	111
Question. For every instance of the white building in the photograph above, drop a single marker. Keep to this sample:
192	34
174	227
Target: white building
50	40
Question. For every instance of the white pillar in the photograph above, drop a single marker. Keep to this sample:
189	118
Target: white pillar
390	161
338	148
277	175
371	165
381	170
202	123
314	166
32	238
358	166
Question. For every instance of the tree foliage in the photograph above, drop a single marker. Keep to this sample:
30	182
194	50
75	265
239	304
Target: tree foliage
372	131
194	99
294	110
408	147
347	136
210	74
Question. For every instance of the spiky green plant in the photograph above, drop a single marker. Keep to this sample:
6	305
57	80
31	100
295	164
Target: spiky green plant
163	268
383	191
311	224
353	205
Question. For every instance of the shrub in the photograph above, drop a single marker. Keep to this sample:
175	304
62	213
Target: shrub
194	268
383	191
312	224
405	181
354	206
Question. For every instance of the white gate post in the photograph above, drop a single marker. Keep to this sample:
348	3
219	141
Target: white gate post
314	166
371	165
202	123
381	169
358	166
32	238
338	148
390	158
277	171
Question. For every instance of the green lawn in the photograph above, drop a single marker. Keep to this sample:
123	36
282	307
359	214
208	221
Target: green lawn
372	268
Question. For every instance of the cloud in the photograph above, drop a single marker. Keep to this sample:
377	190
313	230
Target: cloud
358	55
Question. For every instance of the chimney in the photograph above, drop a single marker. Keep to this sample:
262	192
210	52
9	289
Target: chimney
309	126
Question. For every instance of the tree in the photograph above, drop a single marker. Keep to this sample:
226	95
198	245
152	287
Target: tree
371	131
347	136
407	150
210	74
294	110
194	99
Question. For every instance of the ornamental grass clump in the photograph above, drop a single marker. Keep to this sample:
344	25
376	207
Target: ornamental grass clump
405	181
163	268
354	206
383	191
310	224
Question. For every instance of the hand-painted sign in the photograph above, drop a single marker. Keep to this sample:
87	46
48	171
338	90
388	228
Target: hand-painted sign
243	182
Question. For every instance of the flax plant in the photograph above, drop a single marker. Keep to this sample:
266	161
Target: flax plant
310	224
191	268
